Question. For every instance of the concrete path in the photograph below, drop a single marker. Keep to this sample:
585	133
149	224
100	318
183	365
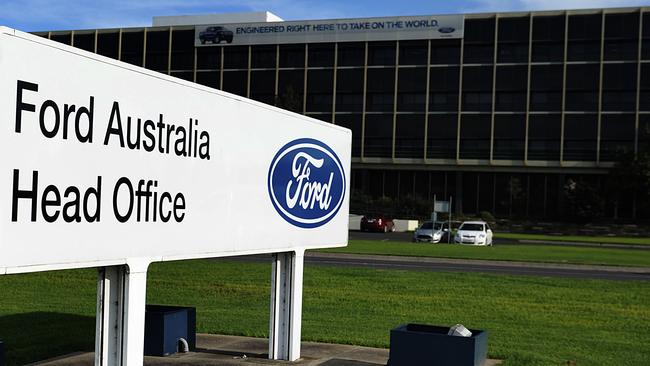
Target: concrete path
234	351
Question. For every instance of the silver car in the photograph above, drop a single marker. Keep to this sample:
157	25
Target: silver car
431	232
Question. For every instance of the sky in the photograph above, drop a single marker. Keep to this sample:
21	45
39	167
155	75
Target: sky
38	15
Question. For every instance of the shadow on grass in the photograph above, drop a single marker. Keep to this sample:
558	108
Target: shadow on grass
36	336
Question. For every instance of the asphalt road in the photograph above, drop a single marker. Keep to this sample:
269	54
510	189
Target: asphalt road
476	266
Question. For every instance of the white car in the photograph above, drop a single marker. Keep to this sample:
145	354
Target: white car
474	233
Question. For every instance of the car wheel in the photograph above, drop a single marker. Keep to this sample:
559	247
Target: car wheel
203	41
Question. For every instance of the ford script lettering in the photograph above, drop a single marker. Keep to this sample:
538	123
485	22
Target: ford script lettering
306	183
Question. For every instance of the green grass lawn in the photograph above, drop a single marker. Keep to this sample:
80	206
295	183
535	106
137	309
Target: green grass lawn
527	253
531	320
575	238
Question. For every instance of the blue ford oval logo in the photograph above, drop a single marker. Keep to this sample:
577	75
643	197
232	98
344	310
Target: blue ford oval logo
306	183
446	30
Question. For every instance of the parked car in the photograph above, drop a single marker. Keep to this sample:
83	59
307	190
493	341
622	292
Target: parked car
432	232
474	233
215	35
377	223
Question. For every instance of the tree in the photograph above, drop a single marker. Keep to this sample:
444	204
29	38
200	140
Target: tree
584	199
630	178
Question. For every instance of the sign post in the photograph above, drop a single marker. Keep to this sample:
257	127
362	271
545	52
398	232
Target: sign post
111	166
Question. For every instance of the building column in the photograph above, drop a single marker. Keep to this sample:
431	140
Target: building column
286	306
121	299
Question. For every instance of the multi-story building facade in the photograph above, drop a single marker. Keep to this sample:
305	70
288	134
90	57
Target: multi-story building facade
500	113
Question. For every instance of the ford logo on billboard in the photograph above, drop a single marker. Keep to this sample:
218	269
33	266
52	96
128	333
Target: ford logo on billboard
447	30
306	183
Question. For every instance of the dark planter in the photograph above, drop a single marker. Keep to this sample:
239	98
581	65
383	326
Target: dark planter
2	354
427	345
165	326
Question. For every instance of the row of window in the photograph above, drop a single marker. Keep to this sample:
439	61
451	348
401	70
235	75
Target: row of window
583	43
579	141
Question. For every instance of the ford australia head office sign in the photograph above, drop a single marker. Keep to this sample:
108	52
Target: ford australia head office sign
306	183
105	162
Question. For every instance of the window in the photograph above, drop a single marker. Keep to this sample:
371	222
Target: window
235	82
108	44
479	41
621	36
320	85
546	87
616	136
511	84
477	88
378	135
351	54
441	136
132	47
443	88
513	39
349	90
290	90
509	136
65	38
381	53
411	89
644	132
645	50
380	90
235	57
475	136
619	87
85	41
353	122
208	78
263	57
182	50
263	86
584	37
582	83
321	55
157	51
580	132
292	55
413	52
208	58
548	38
409	136
544	135
644	101
445	51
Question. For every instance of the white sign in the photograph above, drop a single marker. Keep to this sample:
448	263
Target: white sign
104	162
337	30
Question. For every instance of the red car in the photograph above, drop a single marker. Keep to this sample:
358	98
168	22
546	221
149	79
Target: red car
377	223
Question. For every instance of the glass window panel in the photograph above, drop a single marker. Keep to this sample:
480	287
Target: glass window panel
108	44
443	88
208	78
185	75
621	36
511	84
380	89
479	40
208	58
235	57
85	41
441	136
183	49
349	90
353	122
546	87
509	136
477	88
619	87
584	37
378	135
644	101
292	55
320	87
65	38
544	134
157	51
409	136
616	136
132	47
513	39
235	82
263	57
413	52
263	86
321	55
291	85
580	132
351	54
381	53
445	51
475	136
582	83
644	133
411	89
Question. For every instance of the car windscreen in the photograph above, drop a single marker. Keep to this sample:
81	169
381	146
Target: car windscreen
426	226
471	227
437	226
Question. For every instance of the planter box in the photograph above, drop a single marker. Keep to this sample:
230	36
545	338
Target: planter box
427	345
165	326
